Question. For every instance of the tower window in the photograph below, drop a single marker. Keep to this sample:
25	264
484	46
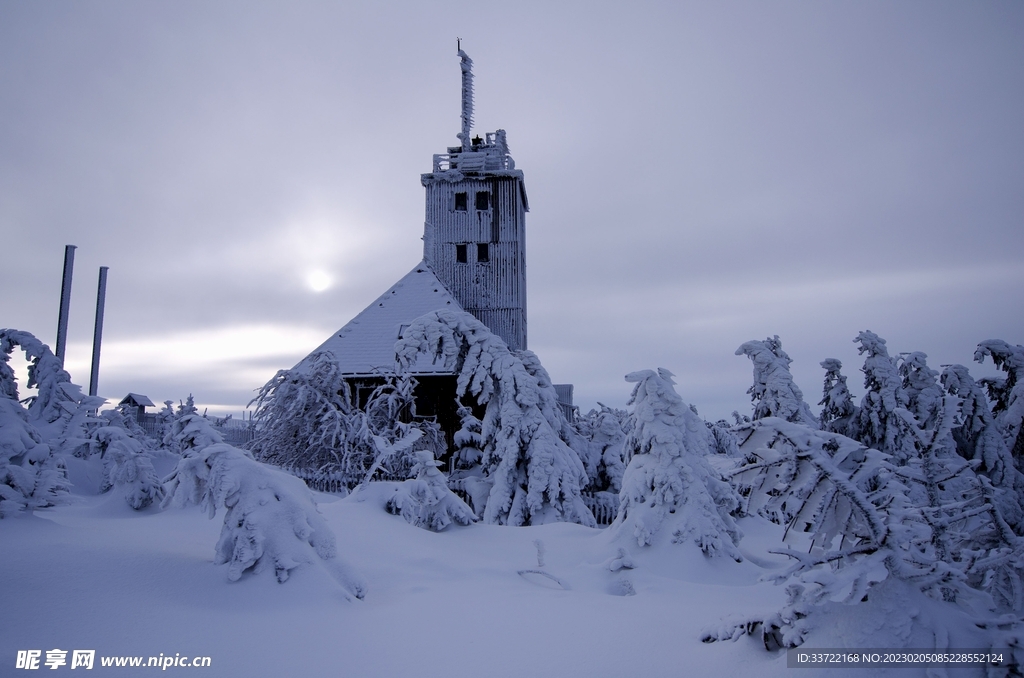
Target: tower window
461	202
483	199
482	251
460	252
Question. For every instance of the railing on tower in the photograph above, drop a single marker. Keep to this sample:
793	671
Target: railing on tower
486	155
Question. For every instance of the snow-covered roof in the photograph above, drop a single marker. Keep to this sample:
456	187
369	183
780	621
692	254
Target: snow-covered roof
136	400
366	345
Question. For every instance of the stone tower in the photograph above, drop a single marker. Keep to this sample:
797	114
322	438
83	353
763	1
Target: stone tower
474	236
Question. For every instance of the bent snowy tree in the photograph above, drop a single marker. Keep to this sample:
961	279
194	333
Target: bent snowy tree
271	522
1008	393
31	475
774	392
536	476
856	519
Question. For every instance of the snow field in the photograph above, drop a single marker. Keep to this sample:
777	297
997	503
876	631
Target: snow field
97	575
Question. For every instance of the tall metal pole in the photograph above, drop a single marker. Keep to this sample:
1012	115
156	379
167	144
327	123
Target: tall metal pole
467	100
65	302
97	335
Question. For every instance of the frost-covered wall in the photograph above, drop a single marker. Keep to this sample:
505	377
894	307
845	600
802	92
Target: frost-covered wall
493	290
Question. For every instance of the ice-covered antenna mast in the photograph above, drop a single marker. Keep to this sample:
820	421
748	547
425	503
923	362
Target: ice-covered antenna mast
467	98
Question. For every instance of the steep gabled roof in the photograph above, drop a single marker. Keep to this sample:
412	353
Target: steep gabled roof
366	345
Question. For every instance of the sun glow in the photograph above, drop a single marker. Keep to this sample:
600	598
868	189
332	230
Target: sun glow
318	280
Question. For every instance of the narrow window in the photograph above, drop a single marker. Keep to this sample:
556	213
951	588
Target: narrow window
460	253
482	252
482	200
461	202
401	330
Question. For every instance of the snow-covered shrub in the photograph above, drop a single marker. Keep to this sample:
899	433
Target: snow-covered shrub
128	465
30	477
723	439
305	419
774	393
390	418
271	522
668	486
192	432
425	501
1008	393
604	433
536	476
838	411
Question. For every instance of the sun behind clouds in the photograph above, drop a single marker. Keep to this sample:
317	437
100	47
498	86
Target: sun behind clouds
318	280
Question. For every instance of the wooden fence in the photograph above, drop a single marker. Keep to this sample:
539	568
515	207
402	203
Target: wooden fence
603	505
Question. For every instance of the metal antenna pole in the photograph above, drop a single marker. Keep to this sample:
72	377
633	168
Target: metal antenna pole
65	302
97	335
467	99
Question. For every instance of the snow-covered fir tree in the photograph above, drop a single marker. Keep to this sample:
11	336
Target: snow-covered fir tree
468	440
425	501
32	476
536	477
165	419
669	491
127	460
1007	394
271	521
920	387
774	393
59	410
188	407
878	424
604	432
838	411
979	438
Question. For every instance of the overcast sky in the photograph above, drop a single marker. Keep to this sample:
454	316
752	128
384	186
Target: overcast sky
699	175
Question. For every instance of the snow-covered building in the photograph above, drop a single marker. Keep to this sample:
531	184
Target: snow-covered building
135	403
474	260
